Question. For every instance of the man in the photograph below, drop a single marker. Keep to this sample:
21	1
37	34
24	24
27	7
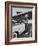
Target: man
25	21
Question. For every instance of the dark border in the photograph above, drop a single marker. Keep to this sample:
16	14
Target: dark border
7	21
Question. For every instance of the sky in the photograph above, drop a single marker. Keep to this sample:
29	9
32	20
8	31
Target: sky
22	10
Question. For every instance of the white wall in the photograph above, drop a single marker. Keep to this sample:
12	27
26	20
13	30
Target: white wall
2	23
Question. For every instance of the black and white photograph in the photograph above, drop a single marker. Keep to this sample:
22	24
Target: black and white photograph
21	22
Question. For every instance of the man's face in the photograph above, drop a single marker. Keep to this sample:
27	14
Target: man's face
26	16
